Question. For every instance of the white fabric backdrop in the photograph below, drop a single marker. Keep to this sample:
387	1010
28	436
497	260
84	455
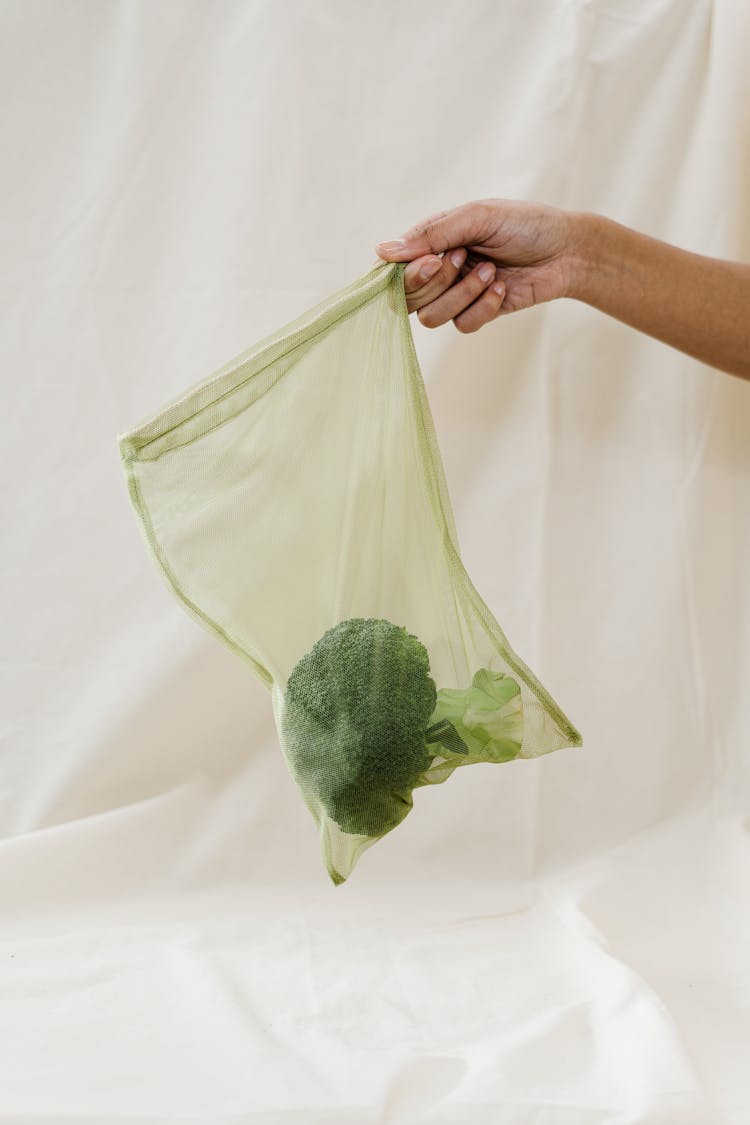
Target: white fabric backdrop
558	942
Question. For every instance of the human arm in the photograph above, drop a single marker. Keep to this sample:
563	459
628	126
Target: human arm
697	304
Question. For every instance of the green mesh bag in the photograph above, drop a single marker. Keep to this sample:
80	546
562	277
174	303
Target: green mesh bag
296	504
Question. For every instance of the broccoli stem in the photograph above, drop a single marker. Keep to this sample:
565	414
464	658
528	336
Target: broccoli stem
447	736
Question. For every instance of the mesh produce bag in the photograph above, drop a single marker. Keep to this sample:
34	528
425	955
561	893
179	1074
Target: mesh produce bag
296	504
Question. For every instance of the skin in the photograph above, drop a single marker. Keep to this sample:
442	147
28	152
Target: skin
530	253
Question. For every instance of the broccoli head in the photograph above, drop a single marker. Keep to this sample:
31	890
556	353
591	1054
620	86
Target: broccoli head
356	710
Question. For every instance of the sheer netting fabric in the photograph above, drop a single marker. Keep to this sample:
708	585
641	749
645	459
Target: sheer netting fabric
296	504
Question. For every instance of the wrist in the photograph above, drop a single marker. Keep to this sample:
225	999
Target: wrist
585	262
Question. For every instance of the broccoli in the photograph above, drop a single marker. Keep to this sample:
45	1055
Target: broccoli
356	723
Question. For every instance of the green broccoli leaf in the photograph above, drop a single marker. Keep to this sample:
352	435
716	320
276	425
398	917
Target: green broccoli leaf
487	717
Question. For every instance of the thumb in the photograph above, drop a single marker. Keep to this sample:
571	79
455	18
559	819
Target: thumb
461	226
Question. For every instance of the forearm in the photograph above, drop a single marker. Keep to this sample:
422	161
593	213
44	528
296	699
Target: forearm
696	304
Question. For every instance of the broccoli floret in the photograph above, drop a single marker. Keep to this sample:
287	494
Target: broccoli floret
356	710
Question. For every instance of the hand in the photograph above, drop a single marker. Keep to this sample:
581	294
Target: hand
482	260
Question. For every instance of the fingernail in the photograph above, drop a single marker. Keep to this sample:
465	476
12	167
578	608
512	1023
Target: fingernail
429	269
396	244
457	257
499	288
486	271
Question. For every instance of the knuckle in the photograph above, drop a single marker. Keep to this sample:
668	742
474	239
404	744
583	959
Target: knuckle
425	317
428	225
427	231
